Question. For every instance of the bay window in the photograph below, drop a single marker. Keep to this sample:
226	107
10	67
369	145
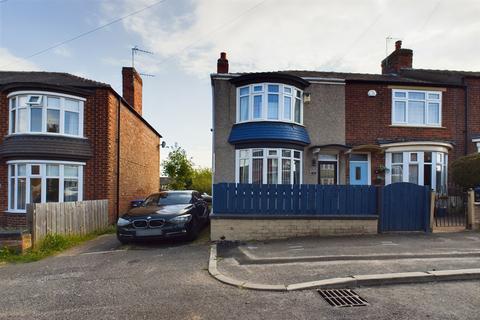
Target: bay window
46	113
269	166
416	107
269	102
43	181
428	168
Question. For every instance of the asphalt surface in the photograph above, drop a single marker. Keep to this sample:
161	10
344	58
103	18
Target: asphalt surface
311	259
103	280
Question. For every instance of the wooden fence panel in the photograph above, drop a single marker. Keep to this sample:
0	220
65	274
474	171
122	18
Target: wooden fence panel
69	218
279	199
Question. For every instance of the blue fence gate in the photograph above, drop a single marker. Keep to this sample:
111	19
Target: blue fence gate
404	207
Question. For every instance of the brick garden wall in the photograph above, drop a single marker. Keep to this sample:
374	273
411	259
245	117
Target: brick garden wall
267	229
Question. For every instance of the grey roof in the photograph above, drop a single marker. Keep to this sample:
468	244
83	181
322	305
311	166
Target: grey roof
476	136
349	76
454	77
49	78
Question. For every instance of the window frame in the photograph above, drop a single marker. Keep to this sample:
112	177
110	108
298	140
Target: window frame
427	100
14	107
265	157
264	93
43	176
420	162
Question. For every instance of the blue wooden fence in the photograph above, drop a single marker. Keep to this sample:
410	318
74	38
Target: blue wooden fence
263	199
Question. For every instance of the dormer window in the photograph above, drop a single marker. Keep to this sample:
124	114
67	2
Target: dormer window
269	102
46	113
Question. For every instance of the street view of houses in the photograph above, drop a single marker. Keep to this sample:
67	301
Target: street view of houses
240	159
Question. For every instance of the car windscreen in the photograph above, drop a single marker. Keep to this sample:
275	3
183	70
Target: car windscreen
168	198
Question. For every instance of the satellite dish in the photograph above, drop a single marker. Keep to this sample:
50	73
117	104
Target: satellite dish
372	93
164	144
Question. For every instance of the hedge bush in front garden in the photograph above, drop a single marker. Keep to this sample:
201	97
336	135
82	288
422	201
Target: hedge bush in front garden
466	171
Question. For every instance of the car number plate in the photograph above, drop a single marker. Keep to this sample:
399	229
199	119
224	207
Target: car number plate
149	232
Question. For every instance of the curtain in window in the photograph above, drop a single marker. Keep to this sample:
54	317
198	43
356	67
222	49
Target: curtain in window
71	123
257	171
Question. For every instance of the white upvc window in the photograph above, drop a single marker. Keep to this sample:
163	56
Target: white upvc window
426	168
46	113
41	181
416	108
269	102
268	166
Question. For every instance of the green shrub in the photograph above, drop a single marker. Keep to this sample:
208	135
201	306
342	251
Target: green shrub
202	180
466	171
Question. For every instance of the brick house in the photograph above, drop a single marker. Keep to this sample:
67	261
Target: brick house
66	138
403	125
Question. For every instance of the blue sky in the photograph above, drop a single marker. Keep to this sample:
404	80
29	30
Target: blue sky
187	36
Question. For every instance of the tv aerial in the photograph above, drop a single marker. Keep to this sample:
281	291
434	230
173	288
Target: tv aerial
136	50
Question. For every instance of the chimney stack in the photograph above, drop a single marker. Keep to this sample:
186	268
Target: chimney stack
398	59
132	88
398	44
222	63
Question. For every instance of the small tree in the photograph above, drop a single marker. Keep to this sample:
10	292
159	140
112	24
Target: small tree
466	171
179	168
202	180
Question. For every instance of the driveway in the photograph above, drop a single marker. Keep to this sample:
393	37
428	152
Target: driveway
103	280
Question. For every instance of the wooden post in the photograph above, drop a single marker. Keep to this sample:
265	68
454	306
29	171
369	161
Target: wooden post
470	208
432	210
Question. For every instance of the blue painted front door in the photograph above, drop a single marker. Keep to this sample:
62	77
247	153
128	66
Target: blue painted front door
358	173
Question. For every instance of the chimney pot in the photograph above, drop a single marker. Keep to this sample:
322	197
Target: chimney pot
398	45
222	63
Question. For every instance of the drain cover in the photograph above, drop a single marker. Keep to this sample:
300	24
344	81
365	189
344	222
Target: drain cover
342	298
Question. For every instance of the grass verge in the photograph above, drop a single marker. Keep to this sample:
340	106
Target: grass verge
52	244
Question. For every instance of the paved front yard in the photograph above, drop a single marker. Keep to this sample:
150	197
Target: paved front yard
103	280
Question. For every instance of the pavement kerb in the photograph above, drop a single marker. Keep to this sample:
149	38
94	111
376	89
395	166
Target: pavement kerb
346	282
253	259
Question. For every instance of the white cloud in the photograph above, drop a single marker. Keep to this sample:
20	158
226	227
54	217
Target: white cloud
63	51
310	34
10	62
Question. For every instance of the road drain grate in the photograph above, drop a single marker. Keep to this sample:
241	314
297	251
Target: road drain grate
342	298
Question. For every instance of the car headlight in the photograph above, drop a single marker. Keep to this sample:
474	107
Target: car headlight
122	222
181	219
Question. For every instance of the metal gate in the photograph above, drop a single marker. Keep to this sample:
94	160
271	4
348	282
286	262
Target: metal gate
451	209
404	207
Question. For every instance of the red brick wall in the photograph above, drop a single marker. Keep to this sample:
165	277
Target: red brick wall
3	166
473	111
132	88
139	161
369	118
96	175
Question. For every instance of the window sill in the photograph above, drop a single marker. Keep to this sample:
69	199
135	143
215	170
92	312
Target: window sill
415	126
44	134
16	212
269	120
